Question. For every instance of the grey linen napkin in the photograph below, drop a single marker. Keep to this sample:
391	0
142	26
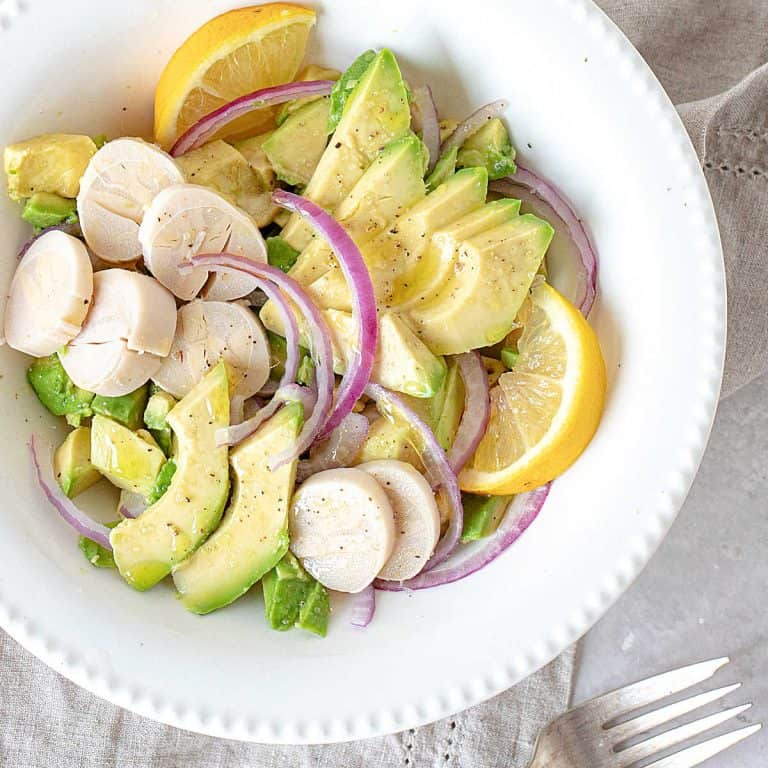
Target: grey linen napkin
711	56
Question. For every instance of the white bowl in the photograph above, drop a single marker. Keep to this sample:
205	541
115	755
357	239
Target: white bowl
586	111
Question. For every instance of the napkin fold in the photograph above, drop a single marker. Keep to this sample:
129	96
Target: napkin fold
711	57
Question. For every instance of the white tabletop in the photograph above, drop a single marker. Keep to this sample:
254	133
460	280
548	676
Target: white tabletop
705	592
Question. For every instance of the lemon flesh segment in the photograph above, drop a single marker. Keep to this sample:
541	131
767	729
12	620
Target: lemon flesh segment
236	53
546	410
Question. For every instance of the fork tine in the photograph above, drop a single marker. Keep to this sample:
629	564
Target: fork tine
644	692
657	717
692	756
652	746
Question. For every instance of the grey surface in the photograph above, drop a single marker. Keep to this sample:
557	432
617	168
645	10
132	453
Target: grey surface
704	592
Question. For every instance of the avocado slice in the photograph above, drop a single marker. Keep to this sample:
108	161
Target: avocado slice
124	457
441	256
126	409
53	162
451	407
482	515
56	391
253	534
345	85
490	148
444	168
163	481
147	548
159	405
293	598
45	209
72	463
389	439
392	183
375	112
403	363
395	258
477	306
295	148
223	168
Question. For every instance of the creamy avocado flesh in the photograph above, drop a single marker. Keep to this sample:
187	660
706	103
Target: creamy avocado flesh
72	463
477	306
253	534
147	548
375	112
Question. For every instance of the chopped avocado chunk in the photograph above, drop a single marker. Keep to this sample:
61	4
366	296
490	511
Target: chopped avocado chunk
55	389
159	405
314	613
389	439
280	254
345	85
444	168
305	375
293	598
45	209
482	515
295	148
72	463
509	356
478	304
124	457
403	363
277	358
253	534
375	113
489	148
225	169
54	162
127	409
146	549
95	554
451	407
163	481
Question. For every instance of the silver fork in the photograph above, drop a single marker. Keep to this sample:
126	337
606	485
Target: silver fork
591	735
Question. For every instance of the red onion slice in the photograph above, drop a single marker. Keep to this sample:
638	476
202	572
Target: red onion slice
42	458
477	410
132	504
574	226
204	128
363	607
521	512
338	450
436	466
322	353
427	122
473	124
360	362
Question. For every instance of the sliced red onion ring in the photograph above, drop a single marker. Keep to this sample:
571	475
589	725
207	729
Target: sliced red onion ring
521	512
477	410
363	607
132	504
322	353
42	458
427	122
574	226
338	450
204	128
438	470
473	124
360	362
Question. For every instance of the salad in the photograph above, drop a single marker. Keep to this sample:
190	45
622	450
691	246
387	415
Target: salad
307	331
